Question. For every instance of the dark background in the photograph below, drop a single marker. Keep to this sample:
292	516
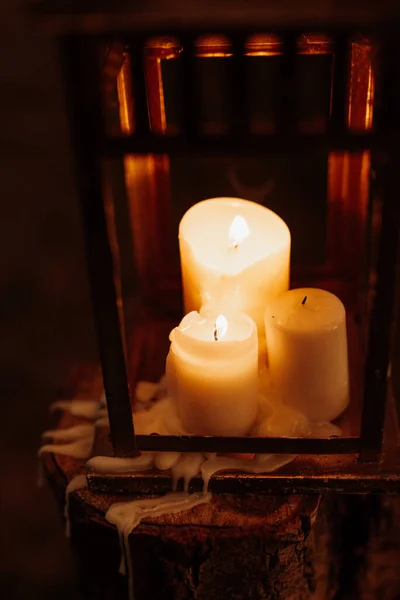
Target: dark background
45	313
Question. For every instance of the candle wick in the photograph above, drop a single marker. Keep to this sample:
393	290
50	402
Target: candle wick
304	300
215	333
234	246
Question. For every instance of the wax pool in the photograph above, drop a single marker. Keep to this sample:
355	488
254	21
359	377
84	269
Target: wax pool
212	372
235	254
307	352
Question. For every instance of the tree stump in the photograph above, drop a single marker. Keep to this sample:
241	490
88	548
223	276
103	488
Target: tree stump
256	547
252	547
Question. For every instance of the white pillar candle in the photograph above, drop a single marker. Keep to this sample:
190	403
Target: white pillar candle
235	253
212	371
307	352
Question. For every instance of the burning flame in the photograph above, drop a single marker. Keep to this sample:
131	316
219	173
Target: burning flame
238	232
220	327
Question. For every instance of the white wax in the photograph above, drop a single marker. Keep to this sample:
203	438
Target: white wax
79	408
215	383
307	352
79	441
238	269
263	463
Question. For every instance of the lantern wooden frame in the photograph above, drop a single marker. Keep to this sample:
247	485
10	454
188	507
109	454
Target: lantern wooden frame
358	469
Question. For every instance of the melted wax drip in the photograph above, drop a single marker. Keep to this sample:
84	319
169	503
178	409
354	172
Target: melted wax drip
166	460
102	419
187	467
70	434
263	463
79	408
146	391
110	464
126	516
325	430
79	440
162	417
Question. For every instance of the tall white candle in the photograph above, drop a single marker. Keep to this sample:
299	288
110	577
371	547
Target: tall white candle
212	371
235	253
307	352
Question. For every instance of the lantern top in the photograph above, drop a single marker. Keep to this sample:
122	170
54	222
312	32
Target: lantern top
101	16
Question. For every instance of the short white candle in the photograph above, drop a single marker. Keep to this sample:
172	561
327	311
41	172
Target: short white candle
307	352
212	371
235	253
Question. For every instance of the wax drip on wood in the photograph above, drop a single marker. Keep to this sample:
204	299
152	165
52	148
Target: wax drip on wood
77	441
126	516
79	408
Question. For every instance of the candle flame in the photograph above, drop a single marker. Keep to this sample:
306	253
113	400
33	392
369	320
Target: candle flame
220	327
238	232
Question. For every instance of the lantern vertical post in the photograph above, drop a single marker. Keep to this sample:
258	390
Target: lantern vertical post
386	117
81	71
378	354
